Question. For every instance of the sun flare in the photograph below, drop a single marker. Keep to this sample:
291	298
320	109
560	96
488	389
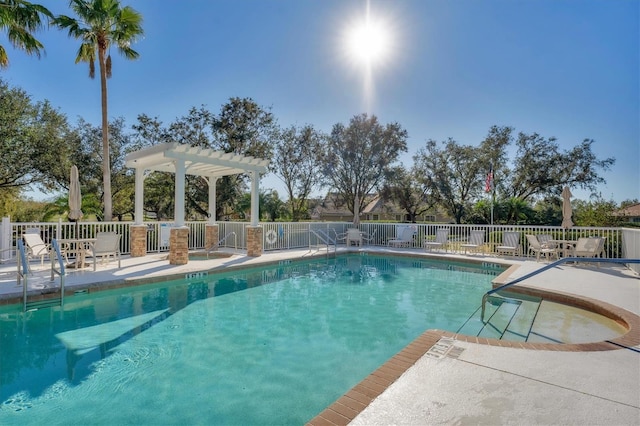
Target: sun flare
368	42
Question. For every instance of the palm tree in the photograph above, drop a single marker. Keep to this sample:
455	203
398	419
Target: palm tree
103	23
20	19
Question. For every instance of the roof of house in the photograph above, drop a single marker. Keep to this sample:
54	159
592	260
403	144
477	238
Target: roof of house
632	211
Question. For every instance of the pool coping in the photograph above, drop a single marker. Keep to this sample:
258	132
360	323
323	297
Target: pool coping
357	399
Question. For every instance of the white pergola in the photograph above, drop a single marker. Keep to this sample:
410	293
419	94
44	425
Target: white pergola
187	160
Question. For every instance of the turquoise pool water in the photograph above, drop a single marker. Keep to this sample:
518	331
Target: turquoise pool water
268	346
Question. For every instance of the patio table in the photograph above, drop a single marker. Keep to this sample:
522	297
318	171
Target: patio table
566	246
78	247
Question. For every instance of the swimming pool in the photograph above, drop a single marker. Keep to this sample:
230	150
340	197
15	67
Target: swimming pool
273	345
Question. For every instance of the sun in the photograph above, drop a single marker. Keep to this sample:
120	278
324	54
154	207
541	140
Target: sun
368	42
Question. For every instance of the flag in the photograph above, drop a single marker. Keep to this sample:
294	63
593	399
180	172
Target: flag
488	185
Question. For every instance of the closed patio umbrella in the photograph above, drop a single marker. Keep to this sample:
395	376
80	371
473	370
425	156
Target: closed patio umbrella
75	206
356	212
566	208
75	198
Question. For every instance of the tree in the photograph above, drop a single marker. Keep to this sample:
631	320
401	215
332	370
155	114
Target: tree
20	19
101	24
596	212
516	210
405	188
451	174
87	155
358	157
492	154
245	128
33	141
540	168
297	164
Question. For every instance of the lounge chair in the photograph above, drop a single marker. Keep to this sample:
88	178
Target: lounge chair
354	236
510	243
442	240
536	247
404	238
475	243
35	246
589	247
106	244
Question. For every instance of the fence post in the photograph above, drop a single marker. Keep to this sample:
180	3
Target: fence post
5	239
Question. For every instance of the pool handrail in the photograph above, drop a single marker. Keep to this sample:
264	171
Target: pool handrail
23	272
55	248
217	245
324	237
549	266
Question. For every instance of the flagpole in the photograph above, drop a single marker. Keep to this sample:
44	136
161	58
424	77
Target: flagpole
492	197
489	187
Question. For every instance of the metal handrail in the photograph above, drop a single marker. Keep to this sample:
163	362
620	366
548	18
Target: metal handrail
24	272
61	271
217	245
324	237
546	268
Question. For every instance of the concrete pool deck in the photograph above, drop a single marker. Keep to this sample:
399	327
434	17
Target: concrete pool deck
443	378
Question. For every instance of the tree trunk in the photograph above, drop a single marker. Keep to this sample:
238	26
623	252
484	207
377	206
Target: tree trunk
106	163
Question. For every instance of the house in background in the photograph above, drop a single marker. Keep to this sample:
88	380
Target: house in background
629	214
331	209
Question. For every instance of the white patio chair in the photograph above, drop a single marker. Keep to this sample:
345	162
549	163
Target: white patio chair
536	247
510	243
589	247
404	239
442	240
35	246
475	243
545	240
107	244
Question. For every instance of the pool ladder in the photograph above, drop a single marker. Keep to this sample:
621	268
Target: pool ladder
325	238
23	274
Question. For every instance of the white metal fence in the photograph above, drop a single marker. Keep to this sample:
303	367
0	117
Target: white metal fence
620	242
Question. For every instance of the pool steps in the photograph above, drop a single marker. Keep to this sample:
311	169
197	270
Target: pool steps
507	318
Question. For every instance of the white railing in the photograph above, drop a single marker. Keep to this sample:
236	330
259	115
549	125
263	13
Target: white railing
280	235
631	246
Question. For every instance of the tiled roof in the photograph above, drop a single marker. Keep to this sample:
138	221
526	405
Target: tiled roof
630	211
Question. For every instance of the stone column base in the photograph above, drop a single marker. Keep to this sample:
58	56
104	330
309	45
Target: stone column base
138	240
179	246
211	236
254	241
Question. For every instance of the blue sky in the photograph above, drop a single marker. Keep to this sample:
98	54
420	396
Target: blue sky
562	68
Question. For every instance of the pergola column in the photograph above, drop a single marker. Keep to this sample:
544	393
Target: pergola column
179	235
211	231
254	232
138	236
181	170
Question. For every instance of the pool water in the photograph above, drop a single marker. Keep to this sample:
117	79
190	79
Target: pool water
274	345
